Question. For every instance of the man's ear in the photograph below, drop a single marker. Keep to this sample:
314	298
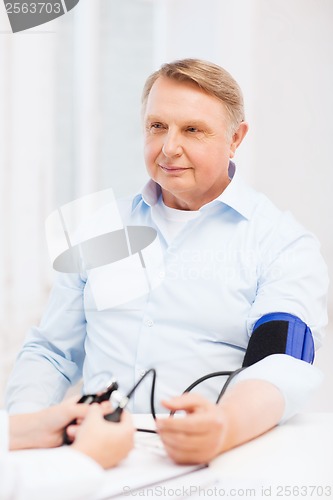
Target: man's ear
237	137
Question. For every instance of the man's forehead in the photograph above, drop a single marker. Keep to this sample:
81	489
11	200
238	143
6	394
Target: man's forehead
185	97
164	84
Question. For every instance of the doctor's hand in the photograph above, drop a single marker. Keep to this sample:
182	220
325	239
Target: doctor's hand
44	428
198	437
105	442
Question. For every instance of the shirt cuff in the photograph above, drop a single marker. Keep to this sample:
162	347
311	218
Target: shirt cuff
297	380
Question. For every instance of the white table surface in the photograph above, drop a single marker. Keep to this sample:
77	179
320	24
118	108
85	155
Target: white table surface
294	460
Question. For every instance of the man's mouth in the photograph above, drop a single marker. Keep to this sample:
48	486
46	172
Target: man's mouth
172	169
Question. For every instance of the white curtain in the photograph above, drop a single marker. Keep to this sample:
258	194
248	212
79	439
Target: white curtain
26	169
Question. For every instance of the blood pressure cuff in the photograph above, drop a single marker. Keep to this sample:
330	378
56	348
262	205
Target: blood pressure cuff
279	333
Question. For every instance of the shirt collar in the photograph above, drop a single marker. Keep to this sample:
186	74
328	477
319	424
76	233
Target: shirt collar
237	195
150	194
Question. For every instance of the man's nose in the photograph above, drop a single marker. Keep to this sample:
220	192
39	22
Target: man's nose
172	145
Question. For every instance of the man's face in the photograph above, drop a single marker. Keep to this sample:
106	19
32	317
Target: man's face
187	148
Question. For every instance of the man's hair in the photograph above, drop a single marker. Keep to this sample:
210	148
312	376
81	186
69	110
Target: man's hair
210	78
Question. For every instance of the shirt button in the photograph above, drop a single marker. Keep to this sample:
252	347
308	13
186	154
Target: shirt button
149	322
142	373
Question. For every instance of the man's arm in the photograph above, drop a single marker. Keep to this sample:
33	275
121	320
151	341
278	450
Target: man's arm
52	355
248	410
258	398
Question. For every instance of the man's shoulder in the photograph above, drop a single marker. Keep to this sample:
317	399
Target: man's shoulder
253	205
264	217
278	226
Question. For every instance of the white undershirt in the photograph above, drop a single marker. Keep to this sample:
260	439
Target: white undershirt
171	220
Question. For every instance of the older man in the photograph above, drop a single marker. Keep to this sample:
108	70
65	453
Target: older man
241	279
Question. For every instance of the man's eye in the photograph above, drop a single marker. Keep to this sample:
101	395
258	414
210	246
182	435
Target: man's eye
156	126
192	129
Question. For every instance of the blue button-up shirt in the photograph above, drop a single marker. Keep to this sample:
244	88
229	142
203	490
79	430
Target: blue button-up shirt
238	259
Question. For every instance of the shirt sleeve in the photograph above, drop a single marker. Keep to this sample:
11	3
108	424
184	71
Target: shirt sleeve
297	380
52	474
52	355
292	278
